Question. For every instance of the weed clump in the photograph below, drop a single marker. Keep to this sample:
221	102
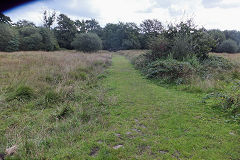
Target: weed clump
228	100
62	113
21	93
52	97
80	74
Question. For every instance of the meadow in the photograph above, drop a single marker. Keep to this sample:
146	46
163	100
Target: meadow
71	105
39	91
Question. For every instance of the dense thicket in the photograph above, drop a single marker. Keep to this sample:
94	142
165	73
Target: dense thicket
180	52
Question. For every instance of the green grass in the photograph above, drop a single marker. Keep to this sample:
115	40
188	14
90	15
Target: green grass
136	116
152	122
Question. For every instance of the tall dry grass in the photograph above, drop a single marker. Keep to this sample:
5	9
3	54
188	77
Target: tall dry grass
81	100
30	67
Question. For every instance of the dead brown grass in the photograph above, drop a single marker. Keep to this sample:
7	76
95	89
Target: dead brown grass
233	57
132	53
31	67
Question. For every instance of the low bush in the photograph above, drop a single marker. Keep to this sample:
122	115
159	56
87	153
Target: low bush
216	62
141	61
87	42
228	46
173	70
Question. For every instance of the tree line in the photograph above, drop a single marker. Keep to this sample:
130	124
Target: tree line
88	35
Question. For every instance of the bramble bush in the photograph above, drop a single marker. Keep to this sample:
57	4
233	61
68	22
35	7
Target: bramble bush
177	53
170	69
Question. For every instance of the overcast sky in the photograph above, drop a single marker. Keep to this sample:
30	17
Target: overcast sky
221	14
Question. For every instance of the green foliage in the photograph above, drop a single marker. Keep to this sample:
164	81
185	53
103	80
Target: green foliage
186	41
171	69
49	41
233	35
216	62
21	93
159	47
228	100
228	46
33	38
24	23
87	42
30	39
182	47
218	36
121	36
52	97
151	27
62	112
86	26
9	39
65	31
181	41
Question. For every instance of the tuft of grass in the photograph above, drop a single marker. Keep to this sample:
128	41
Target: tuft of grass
21	93
52	97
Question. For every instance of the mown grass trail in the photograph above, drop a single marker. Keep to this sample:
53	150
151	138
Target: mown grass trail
152	122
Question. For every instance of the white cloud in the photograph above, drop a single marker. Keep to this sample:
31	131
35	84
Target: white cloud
220	14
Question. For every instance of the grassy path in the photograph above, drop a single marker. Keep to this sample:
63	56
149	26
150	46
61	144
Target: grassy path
152	122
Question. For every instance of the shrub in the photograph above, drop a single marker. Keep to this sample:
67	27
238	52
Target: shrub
141	61
228	46
218	36
87	42
171	69
21	93
159	47
181	47
216	62
9	40
182	41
